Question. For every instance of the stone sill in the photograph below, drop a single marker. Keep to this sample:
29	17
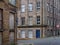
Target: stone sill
26	38
25	26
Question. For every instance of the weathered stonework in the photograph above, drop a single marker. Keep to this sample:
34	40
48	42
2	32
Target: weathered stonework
44	14
7	8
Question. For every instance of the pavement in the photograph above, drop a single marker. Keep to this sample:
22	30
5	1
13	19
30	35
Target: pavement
42	41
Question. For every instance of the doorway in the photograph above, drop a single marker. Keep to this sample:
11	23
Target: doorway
37	33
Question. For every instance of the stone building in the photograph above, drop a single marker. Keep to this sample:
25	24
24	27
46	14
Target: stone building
58	18
8	15
31	23
53	17
37	19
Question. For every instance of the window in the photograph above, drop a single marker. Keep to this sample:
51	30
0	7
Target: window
18	33
51	22
37	33
30	7
48	21
47	7
11	21
13	2
51	9
1	20
38	19
30	20
22	20
30	34
11	37
38	5
22	8
22	34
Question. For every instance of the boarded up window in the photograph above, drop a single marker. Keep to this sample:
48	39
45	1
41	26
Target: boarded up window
11	21
11	37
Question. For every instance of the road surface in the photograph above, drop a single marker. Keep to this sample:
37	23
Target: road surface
43	41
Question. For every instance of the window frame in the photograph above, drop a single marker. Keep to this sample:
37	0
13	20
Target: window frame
11	39
30	33
51	22
23	34
38	20
30	20
30	7
14	20
22	20
51	9
48	21
23	8
11	2
48	7
38	5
